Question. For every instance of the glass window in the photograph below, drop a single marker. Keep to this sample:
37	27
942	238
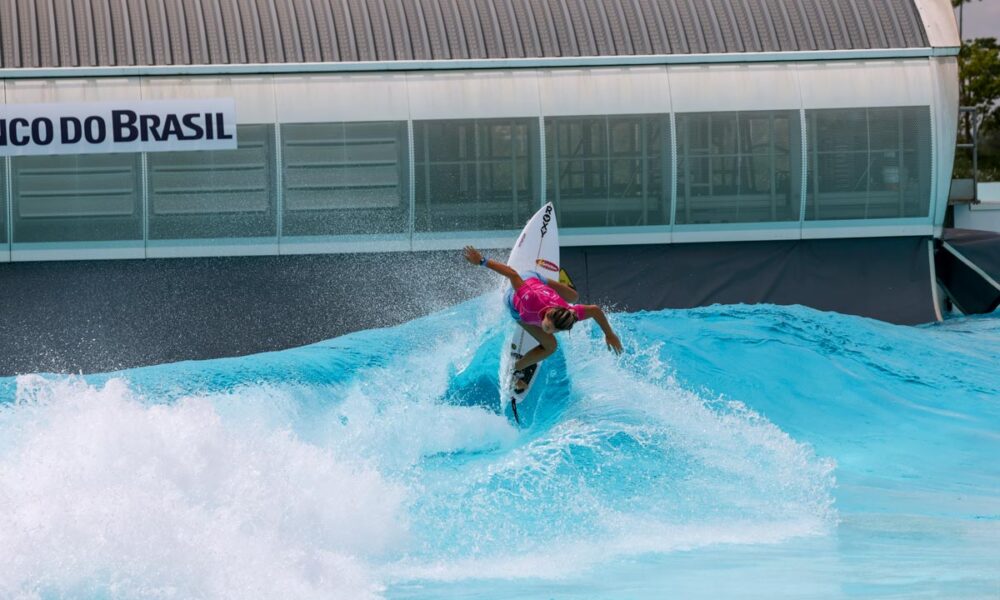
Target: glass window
215	194
77	197
475	175
3	200
739	167
609	171
345	178
870	163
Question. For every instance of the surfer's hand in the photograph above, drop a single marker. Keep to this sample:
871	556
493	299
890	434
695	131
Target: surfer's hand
613	343
472	255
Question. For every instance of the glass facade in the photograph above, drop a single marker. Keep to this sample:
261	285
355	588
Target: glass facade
345	178
3	201
609	170
485	175
77	198
739	167
221	194
475	175
869	163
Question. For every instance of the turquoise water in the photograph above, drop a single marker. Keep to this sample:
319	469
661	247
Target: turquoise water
761	452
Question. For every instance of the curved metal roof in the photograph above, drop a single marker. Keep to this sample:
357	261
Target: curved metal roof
106	33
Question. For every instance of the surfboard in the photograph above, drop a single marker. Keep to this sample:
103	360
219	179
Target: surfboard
536	249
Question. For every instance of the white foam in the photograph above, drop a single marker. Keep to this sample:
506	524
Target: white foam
100	490
329	490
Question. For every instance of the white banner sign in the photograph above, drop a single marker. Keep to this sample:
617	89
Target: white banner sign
101	127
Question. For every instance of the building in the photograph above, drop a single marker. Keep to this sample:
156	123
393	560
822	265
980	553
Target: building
686	140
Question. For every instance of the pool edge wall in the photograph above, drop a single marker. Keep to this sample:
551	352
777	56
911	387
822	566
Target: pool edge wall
96	316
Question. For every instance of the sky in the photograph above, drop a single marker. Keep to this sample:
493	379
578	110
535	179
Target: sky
982	19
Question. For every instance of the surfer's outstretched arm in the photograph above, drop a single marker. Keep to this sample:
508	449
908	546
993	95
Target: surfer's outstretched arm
595	313
474	257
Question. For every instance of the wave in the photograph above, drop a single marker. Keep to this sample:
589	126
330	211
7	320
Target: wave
338	469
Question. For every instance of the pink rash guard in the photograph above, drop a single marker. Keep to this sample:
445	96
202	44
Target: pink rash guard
534	298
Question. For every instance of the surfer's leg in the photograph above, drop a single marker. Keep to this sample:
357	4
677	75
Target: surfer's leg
547	345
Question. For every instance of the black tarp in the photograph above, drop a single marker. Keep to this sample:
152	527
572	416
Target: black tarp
966	287
104	315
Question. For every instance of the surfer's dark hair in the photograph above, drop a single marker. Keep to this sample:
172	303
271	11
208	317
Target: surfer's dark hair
563	319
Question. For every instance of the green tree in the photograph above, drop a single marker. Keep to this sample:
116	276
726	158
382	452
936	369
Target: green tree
979	81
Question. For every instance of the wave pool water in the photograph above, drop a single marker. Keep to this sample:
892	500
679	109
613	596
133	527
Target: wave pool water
754	451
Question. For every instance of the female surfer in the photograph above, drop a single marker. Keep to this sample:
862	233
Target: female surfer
541	306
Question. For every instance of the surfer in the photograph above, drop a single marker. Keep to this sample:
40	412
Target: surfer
542	307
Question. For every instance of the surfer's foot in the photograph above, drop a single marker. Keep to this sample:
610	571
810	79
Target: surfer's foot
519	383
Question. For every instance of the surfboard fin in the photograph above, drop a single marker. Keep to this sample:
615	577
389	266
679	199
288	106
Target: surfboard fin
513	408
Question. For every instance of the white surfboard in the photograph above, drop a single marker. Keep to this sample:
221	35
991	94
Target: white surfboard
537	249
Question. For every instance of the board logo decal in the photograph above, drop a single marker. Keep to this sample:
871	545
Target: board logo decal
545	219
545	264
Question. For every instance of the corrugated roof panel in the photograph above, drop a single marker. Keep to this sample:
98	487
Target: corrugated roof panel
746	26
9	48
65	34
597	22
440	36
414	21
688	18
509	34
731	35
491	33
253	38
873	28
653	21
215	31
435	29
782	25
821	32
83	16
288	34
579	28
292	38
469	19
635	25
670	18
401	47
836	32
26	19
106	54
531	35
71	33
325	34
194	23
765	25
625	41
457	45
890	24
562	22
48	53
710	26
121	28
177	36
270	37
801	27
363	34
